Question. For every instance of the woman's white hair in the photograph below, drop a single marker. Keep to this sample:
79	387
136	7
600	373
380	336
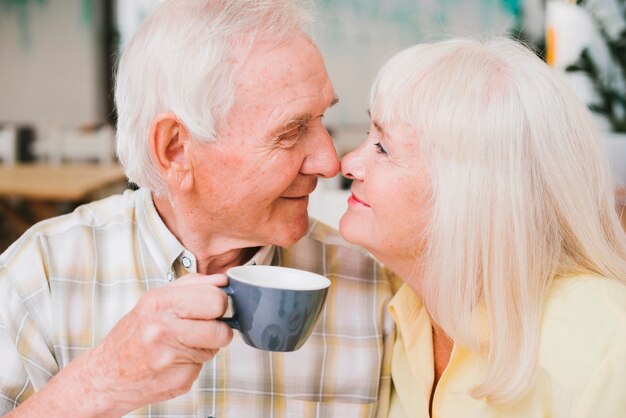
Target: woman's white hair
181	61
521	194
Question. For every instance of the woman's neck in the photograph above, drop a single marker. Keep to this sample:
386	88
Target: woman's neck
411	271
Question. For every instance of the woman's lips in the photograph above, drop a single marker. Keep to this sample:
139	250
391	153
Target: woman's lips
355	201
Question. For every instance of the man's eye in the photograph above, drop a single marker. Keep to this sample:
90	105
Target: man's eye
380	148
292	136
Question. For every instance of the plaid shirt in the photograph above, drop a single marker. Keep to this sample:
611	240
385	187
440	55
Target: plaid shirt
68	280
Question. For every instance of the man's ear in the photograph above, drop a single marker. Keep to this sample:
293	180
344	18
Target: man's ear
169	143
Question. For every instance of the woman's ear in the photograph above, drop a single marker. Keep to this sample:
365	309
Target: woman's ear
169	142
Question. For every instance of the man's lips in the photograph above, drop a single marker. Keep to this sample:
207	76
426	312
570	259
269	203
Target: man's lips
302	191
300	195
295	197
355	201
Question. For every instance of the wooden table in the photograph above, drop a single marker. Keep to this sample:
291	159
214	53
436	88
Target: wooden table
45	190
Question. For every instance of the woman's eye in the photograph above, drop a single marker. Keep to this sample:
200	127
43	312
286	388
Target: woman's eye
380	148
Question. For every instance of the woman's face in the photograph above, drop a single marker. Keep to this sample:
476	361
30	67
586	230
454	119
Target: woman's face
389	206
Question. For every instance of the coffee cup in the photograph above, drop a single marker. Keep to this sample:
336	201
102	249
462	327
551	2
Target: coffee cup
274	308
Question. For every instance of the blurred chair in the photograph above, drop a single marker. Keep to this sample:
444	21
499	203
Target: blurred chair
8	145
78	145
86	146
8	156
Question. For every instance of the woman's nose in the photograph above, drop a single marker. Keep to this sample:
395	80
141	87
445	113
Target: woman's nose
352	166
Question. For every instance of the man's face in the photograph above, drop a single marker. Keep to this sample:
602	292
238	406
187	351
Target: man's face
253	183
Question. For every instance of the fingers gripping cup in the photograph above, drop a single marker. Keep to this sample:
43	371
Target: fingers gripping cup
275	308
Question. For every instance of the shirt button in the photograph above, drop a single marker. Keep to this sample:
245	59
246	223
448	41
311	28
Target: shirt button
170	276
186	262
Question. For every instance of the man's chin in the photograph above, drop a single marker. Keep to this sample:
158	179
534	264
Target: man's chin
289	233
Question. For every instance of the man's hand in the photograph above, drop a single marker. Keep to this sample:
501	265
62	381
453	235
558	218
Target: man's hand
153	353
156	351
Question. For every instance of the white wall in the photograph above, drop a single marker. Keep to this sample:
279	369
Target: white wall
357	36
51	73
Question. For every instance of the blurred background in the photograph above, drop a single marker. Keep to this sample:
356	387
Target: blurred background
57	60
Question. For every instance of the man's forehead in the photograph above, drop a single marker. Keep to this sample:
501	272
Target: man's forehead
288	95
281	64
280	86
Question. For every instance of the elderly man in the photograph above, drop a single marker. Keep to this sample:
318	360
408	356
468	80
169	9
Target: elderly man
112	310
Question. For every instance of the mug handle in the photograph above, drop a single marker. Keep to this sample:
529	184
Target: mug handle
232	321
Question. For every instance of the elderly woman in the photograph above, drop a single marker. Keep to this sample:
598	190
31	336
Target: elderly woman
484	186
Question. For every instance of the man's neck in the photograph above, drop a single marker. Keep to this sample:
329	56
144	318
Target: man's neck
222	262
213	254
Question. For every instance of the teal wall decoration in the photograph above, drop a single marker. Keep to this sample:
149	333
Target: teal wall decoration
87	11
20	8
514	7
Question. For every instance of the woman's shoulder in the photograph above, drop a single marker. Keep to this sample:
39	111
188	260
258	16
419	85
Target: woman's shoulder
588	296
583	317
583	339
583	307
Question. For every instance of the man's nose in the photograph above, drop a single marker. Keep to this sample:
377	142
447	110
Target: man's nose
321	159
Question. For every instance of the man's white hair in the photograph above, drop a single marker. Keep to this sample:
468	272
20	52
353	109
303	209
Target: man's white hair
181	61
521	194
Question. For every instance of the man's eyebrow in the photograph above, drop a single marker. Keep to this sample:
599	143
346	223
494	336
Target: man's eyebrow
299	120
293	123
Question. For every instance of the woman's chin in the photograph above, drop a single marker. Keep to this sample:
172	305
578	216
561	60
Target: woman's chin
351	230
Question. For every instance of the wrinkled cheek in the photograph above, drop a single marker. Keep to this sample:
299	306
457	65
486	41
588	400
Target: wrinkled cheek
287	210
392	224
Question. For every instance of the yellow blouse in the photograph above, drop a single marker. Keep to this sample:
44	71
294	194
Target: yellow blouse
582	359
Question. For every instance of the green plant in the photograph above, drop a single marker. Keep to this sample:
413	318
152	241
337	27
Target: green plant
609	83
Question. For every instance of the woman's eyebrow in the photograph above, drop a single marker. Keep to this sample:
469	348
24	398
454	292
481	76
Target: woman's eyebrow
377	125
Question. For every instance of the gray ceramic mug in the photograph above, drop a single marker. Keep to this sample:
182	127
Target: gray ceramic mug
275	308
